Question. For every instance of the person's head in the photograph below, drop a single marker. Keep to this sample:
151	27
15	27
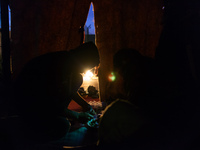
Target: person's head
86	56
132	73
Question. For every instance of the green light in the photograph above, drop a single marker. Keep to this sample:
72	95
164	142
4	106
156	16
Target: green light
112	77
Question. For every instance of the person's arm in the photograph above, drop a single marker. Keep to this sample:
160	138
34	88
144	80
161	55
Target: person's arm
80	100
71	114
82	117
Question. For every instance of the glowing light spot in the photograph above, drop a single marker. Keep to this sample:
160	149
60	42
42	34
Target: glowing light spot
112	77
88	75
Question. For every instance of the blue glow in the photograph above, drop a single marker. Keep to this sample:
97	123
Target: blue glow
9	15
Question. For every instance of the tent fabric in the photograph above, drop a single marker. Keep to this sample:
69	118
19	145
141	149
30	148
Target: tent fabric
39	27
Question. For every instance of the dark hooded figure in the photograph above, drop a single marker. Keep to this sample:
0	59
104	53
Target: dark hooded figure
48	83
126	122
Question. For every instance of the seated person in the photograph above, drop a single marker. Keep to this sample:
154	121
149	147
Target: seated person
46	86
124	121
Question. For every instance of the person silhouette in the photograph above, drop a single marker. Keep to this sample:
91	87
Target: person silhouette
48	83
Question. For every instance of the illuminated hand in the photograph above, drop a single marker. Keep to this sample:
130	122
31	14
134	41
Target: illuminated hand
91	111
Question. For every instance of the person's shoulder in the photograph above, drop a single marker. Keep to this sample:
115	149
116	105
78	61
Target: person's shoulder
54	55
119	108
48	57
121	104
123	110
119	121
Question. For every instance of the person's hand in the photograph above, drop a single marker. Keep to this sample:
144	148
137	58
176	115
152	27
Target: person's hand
84	117
91	111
